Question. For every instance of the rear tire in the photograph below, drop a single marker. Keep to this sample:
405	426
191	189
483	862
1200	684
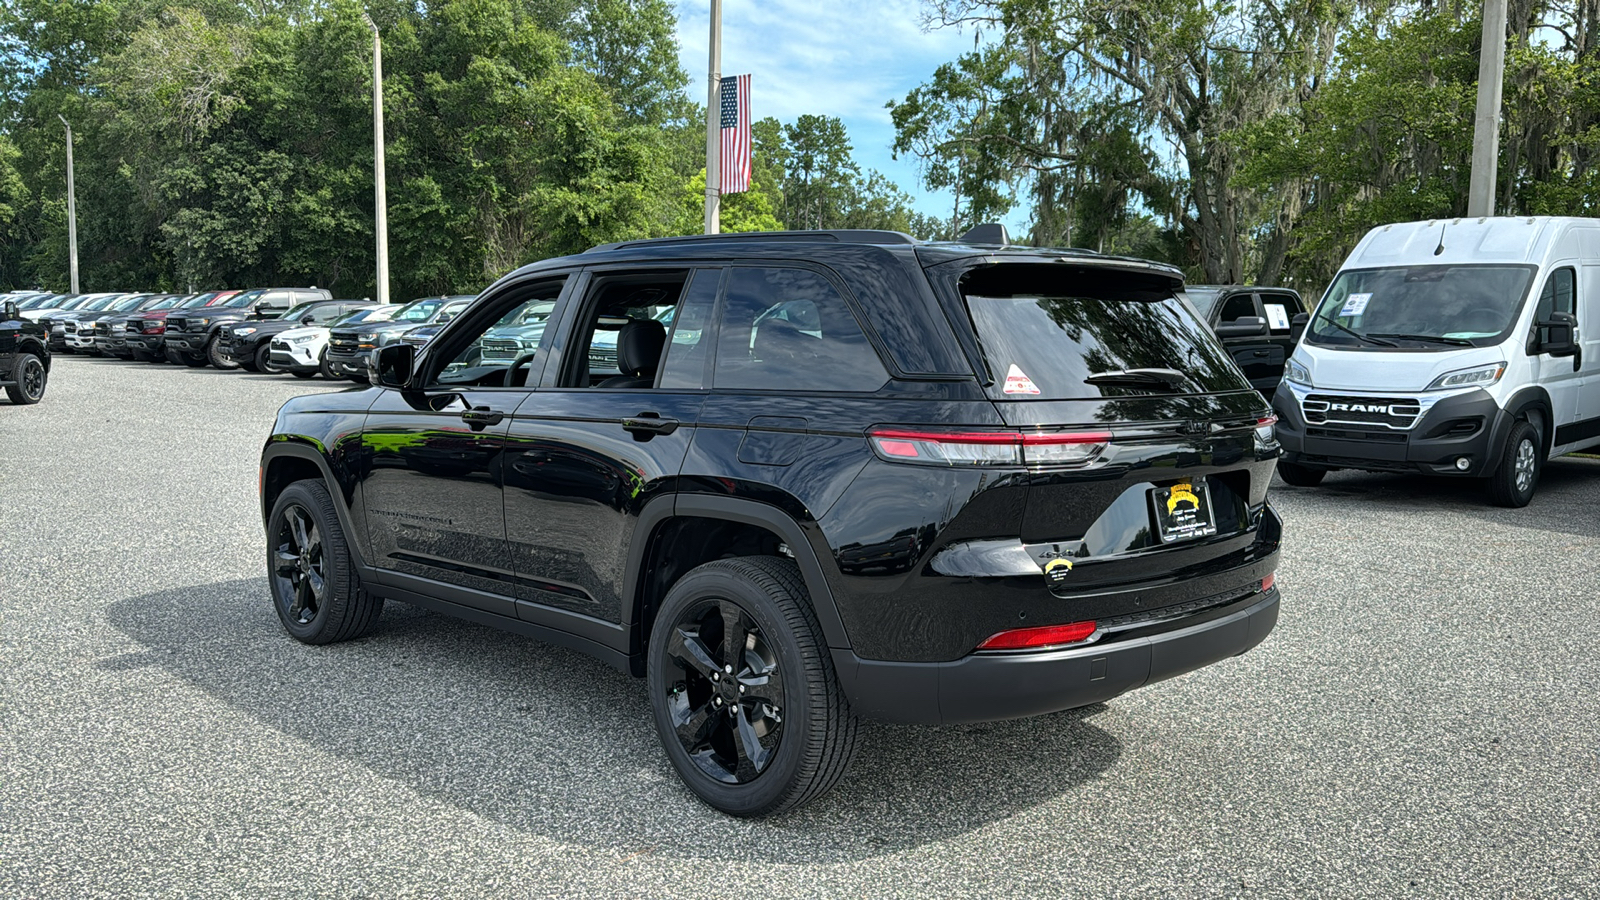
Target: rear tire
31	378
1517	475
213	354
312	575
1300	476
754	720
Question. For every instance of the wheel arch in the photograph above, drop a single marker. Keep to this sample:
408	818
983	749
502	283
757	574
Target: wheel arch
288	459
669	517
37	347
1526	403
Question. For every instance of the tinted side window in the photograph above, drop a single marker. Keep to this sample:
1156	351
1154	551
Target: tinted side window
1237	307
1559	295
786	327
688	347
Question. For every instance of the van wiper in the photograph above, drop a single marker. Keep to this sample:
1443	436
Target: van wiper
1431	338
1162	379
1365	338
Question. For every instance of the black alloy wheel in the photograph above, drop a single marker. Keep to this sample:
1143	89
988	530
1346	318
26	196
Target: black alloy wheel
315	586
264	361
725	692
31	377
743	691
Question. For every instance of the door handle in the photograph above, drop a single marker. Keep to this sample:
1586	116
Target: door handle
648	424
482	417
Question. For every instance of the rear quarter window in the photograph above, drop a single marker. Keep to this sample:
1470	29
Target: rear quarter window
1043	330
784	328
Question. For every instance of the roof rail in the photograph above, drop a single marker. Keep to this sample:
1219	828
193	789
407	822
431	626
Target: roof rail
839	235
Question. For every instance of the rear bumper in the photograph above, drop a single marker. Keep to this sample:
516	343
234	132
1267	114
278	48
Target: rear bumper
1468	426
986	687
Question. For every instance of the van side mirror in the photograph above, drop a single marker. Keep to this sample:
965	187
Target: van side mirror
1556	335
1297	326
1244	326
394	364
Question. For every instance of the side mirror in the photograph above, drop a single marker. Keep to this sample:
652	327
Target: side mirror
11	312
1297	326
1244	326
1556	336
394	364
307	319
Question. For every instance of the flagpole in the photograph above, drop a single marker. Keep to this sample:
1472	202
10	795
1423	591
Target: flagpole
714	125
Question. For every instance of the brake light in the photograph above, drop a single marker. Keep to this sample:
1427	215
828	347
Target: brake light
1040	638
1269	581
989	448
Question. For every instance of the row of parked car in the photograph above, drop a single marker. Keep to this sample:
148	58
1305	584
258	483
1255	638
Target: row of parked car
300	331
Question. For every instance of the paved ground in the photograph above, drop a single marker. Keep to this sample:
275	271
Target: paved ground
1423	722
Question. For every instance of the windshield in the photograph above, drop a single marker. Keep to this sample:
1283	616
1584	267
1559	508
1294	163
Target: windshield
298	311
165	303
197	300
1203	298
36	302
100	303
239	301
1421	307
418	310
1044	333
377	314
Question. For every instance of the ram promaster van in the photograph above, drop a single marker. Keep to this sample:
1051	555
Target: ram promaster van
1465	347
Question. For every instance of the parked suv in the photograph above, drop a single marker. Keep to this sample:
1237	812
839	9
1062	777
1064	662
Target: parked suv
249	344
862	476
191	337
24	355
350	347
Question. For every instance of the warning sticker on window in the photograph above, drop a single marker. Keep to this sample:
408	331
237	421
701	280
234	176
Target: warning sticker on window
1018	383
1355	304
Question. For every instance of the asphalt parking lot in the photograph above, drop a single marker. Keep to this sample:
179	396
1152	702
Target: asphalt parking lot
1425	720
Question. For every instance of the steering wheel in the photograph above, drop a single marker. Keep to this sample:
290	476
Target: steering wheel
511	371
1486	314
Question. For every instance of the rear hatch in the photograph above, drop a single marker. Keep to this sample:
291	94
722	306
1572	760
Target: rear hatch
1163	451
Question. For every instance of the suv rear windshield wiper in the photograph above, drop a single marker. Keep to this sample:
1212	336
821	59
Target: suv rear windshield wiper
1431	338
1160	379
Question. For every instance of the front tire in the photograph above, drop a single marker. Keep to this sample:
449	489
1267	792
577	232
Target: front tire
1521	461
311	572
743	690
31	377
264	360
1300	476
323	368
213	354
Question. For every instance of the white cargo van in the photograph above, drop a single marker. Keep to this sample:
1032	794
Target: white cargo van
1461	347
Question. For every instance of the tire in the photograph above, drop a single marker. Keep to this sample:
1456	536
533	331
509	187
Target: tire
213	355
305	545
172	356
1517	473
192	361
1300	476
302	373
323	368
31	377
802	744
141	356
264	360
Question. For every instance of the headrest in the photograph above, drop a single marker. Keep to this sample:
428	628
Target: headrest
639	346
779	339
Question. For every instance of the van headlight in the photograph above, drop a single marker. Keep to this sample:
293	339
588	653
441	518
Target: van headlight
1296	372
1477	376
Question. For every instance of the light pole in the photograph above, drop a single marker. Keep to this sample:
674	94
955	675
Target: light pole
381	202
714	126
1486	130
72	210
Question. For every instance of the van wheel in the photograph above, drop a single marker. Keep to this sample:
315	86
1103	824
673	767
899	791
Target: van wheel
1517	475
1300	476
743	690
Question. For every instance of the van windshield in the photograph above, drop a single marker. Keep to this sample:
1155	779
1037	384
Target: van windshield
1054	334
1421	307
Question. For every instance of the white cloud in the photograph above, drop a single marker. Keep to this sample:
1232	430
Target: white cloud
827	57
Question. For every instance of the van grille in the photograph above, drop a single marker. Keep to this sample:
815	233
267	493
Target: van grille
1397	413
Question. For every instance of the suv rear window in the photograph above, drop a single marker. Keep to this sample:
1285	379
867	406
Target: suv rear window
1044	329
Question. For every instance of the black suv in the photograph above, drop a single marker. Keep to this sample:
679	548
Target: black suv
860	475
192	336
24	355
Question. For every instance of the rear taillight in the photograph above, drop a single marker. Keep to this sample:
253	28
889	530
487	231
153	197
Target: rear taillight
989	448
1264	428
1041	638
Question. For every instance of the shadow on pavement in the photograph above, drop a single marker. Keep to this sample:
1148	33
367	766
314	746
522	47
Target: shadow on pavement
548	741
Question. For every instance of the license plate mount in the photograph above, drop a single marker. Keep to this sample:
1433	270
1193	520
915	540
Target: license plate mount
1183	511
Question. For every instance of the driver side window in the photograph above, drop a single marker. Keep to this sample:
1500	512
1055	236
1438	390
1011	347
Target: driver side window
483	355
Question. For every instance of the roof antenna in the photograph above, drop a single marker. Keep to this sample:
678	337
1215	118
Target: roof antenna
1440	249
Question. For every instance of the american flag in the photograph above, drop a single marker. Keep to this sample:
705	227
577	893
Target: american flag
735	169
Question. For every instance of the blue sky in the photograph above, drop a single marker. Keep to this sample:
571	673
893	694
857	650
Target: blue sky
829	58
